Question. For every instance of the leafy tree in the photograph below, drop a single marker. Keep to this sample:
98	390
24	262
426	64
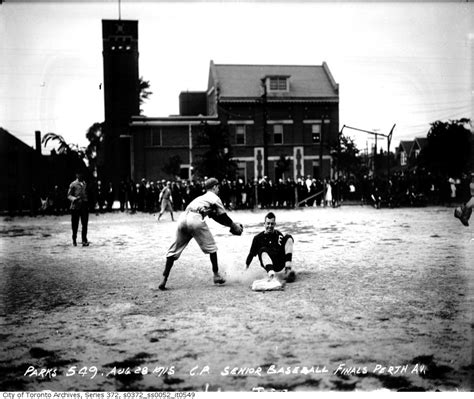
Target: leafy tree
75	156
145	93
63	147
217	160
96	135
348	161
448	148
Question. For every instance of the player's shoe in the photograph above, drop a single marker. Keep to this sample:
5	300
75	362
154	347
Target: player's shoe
218	279
463	214
162	286
290	275
466	214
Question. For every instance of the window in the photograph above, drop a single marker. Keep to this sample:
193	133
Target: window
153	138
316	133
278	134
403	158
278	83
240	134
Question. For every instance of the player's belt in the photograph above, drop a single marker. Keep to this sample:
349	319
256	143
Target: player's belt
196	211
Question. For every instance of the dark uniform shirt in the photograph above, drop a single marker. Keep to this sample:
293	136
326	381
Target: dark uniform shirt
272	241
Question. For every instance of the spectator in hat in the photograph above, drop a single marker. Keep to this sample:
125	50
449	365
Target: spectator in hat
77	194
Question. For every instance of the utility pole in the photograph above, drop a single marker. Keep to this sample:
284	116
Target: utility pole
265	138
338	164
375	153
389	140
190	138
321	138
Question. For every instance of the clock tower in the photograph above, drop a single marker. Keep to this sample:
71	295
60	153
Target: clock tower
121	97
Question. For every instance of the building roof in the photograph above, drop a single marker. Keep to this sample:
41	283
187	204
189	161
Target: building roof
421	142
235	81
406	146
6	136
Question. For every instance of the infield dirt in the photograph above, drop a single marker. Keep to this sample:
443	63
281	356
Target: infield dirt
383	299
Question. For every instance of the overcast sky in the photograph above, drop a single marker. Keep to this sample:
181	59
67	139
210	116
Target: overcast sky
408	63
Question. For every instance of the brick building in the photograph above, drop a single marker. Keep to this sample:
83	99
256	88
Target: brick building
268	111
121	96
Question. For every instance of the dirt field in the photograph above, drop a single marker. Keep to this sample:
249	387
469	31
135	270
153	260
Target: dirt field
383	299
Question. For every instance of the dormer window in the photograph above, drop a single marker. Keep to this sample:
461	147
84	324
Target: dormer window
278	83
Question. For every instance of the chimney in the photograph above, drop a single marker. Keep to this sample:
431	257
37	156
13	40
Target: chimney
38	141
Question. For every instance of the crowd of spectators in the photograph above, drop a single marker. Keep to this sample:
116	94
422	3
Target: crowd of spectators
412	188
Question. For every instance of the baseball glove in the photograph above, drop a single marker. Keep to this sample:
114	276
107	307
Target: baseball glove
236	229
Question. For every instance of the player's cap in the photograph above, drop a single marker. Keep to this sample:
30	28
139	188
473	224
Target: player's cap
211	182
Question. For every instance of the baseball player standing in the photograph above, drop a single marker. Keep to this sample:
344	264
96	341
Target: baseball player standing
166	201
192	224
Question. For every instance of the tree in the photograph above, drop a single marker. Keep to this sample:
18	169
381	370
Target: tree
448	148
96	135
75	156
64	147
145	93
348	161
217	160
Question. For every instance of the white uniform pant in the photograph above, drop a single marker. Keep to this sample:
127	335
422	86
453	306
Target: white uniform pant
192	225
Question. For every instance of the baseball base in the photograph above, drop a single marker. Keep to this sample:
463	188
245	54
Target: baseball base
267	285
